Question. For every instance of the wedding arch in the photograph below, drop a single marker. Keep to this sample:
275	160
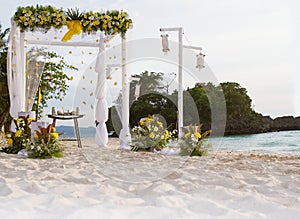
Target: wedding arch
47	25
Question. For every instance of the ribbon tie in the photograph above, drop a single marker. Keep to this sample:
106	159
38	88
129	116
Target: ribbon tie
74	27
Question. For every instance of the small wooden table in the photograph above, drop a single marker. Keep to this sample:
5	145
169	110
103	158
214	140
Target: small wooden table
68	117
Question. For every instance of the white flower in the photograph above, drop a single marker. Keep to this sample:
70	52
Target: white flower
194	138
38	148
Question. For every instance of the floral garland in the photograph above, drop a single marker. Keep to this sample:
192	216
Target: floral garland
39	17
44	17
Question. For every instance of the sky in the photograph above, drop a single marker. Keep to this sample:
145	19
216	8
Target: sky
254	43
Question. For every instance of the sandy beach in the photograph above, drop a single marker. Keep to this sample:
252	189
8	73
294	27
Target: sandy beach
95	182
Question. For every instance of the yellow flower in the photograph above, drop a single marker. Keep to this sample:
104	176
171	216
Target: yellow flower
167	132
197	134
53	130
9	141
31	119
187	135
152	135
36	136
18	133
54	135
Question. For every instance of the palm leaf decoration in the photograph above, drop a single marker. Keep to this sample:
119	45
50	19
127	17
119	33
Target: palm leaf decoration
74	14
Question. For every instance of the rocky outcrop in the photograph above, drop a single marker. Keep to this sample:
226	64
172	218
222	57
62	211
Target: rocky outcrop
286	123
261	124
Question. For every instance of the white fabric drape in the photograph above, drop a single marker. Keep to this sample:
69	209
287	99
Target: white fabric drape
101	113
16	71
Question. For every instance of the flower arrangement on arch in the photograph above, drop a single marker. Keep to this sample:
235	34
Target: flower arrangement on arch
20	139
150	134
192	142
39	18
46	144
44	17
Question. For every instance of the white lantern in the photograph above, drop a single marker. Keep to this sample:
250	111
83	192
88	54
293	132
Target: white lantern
200	61
165	43
137	91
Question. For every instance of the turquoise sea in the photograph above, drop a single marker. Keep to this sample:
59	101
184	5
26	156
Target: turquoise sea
284	142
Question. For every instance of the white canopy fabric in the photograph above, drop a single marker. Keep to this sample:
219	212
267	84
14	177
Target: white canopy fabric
16	72
101	113
16	76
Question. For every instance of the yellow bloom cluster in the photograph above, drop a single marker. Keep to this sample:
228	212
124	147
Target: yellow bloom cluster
147	120
110	22
55	135
9	141
39	17
45	17
18	133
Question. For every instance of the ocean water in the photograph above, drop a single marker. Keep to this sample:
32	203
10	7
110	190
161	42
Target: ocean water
284	142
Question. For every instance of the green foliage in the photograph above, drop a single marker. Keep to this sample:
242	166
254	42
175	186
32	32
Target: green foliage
150	135
154	103
207	98
238	103
74	14
192	142
150	100
4	98
53	82
46	144
150	83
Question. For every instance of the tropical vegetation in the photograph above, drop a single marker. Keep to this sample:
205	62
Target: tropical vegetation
4	98
54	80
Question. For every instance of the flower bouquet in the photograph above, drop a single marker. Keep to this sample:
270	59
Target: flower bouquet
46	144
150	135
192	142
20	139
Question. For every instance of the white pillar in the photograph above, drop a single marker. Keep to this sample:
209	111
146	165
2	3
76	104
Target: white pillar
125	136
180	90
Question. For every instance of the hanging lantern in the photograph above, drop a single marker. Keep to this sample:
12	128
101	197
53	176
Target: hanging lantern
165	43
108	72
137	91
200	61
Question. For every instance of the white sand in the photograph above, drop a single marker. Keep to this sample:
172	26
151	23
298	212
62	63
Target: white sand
107	183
